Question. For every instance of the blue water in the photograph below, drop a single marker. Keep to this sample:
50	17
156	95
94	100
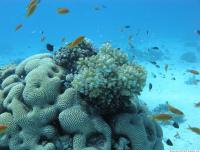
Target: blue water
164	19
171	24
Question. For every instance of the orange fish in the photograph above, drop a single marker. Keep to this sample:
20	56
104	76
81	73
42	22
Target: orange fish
166	67
3	128
77	41
174	110
194	129
32	2
162	117
197	104
18	27
62	10
31	8
195	72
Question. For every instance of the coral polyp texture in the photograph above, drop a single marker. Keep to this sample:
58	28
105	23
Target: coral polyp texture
46	105
108	80
68	56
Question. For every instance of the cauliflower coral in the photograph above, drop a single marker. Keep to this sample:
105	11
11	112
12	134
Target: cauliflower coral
108	80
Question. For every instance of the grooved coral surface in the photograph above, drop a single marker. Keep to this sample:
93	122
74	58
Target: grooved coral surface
43	106
142	132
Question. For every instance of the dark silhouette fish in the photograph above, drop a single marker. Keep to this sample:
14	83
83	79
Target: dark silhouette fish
154	63
50	47
198	32
175	125
169	142
197	104
150	86
127	26
166	67
155	48
174	110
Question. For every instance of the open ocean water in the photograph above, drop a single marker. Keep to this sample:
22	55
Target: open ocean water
154	33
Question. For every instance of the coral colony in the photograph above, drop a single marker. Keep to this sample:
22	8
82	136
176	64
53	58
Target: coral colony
78	98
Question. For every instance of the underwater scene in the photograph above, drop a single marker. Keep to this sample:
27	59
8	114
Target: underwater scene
100	74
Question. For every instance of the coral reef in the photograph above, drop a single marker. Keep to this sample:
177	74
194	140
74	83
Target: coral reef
109	80
67	56
146	135
43	109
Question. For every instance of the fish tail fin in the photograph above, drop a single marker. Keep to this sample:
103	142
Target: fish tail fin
189	127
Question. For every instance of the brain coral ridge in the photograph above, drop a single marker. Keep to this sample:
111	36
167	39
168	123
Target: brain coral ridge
41	112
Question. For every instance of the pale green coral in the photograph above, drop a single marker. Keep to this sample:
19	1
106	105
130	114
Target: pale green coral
108	79
76	121
43	111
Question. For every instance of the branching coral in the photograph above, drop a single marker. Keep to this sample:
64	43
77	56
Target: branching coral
108	80
68	56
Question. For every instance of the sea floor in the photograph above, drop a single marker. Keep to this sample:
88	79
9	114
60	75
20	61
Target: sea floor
176	92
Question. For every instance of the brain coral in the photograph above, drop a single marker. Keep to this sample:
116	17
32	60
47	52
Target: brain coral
141	132
108	80
42	110
32	97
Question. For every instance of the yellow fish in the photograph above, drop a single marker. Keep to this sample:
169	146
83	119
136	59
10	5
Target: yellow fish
162	117
3	128
174	110
76	42
194	129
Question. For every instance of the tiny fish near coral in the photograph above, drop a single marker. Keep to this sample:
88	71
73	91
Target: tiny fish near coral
194	129
169	142
49	47
3	128
174	110
175	124
150	86
76	42
162	117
